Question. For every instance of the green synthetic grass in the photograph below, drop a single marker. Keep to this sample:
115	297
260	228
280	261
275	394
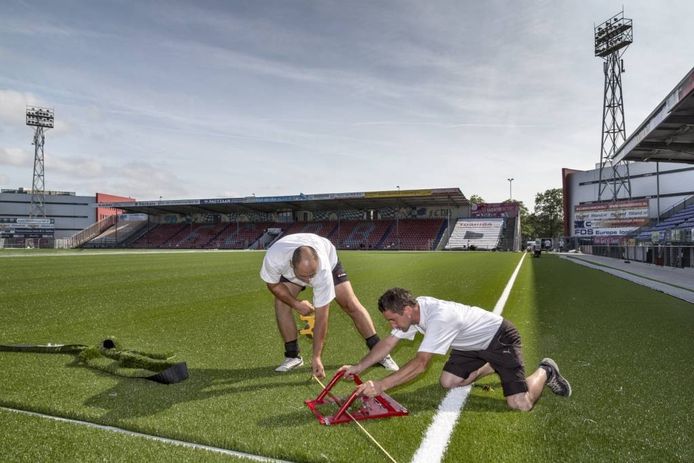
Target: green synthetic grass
626	350
215	313
30	438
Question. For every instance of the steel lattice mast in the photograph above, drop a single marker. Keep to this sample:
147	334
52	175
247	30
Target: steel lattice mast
611	39
40	118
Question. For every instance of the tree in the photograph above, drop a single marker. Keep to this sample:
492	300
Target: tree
549	213
527	222
476	199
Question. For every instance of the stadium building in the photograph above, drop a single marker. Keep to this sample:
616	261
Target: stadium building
425	219
66	215
653	220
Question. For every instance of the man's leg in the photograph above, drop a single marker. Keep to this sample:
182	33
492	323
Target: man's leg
449	380
547	375
345	297
521	393
348	301
287	329
524	401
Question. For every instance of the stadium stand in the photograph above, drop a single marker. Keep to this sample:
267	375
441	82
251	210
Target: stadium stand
324	229
415	234
159	235
240	235
675	227
388	219
405	234
483	234
198	236
359	234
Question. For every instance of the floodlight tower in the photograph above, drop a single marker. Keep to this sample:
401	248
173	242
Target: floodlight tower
41	118
611	39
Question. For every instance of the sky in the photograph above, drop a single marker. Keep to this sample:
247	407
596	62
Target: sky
232	98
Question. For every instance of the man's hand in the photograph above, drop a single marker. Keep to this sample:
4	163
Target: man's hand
350	370
304	307
317	366
370	388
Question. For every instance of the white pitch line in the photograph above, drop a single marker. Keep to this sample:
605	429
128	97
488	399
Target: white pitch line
438	435
164	440
499	307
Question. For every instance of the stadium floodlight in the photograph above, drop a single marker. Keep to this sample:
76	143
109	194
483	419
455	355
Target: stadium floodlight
613	35
39	117
611	39
510	188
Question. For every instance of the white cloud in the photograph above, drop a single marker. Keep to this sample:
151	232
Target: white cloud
77	166
13	106
138	179
16	157
144	180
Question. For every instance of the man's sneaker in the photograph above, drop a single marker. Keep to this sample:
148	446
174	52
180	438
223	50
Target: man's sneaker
389	364
290	363
555	381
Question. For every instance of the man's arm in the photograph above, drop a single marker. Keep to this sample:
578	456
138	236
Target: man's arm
409	371
282	293
380	350
320	330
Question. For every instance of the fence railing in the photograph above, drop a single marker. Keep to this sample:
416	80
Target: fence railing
679	256
90	232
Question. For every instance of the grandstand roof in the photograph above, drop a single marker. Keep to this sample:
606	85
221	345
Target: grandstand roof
443	197
667	134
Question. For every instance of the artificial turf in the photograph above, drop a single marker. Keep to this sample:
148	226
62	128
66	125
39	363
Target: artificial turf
32	439
624	348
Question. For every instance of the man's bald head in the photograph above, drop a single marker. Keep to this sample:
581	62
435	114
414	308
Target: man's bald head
305	262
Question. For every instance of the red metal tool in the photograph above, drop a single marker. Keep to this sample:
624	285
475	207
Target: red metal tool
381	406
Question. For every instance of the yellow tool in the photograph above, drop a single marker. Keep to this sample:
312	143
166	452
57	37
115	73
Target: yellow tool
308	327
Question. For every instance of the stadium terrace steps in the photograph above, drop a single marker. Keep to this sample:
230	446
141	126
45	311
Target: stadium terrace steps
324	229
175	240
405	234
159	235
116	234
240	235
480	233
359	234
199	236
382	241
414	234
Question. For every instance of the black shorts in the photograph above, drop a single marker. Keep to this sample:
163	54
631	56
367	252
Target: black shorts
339	276
503	354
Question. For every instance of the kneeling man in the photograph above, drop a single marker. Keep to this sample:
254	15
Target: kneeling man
481	341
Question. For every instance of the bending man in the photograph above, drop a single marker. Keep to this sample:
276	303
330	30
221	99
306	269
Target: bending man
482	343
304	259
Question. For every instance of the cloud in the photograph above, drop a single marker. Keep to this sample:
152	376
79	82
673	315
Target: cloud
145	180
137	178
16	157
76	166
13	106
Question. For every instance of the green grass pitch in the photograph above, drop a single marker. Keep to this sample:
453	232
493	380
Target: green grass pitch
626	350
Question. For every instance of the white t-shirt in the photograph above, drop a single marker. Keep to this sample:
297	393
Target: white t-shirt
278	258
450	325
